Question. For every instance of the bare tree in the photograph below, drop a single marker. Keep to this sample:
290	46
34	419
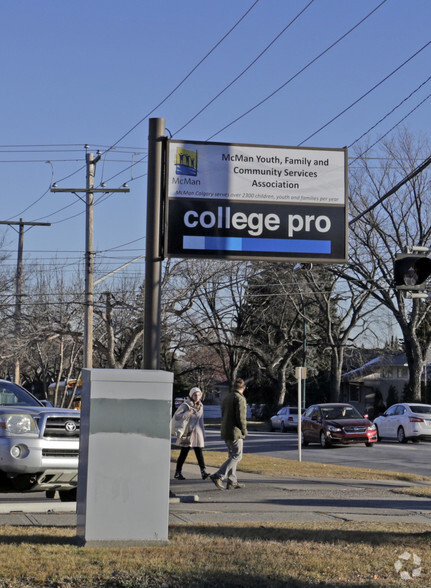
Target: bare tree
212	311
401	220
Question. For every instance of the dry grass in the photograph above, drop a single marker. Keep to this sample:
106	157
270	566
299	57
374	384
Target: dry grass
275	466
423	491
240	555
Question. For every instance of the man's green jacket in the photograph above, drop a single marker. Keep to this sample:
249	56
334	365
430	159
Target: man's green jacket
234	417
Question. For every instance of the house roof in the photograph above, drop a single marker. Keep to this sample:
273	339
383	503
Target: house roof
374	364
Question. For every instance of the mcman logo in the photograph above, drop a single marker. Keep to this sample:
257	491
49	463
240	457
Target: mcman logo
186	162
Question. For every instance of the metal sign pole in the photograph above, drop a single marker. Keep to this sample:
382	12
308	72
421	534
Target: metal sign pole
300	374
153	260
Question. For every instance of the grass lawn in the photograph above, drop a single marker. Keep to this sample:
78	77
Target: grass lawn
276	555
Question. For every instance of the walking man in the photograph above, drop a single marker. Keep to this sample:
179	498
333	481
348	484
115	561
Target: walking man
233	432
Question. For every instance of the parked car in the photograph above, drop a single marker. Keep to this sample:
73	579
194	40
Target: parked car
177	403
329	424
286	418
405	421
39	444
257	411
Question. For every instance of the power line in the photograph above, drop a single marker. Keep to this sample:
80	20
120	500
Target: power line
394	127
170	93
406	179
246	69
366	94
298	72
389	113
187	76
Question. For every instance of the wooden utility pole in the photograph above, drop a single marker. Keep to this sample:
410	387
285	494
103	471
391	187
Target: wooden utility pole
89	191
18	285
89	263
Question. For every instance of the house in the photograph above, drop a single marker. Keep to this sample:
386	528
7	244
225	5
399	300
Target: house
359	386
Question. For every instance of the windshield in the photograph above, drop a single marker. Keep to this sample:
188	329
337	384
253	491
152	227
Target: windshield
13	395
340	412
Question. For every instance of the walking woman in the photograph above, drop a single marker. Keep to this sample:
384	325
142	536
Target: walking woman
188	424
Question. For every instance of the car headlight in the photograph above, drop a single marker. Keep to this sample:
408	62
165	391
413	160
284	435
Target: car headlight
372	427
18	424
333	429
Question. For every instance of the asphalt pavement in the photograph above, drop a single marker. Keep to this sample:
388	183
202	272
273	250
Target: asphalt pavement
262	499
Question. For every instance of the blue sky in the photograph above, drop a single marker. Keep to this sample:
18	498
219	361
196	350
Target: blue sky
77	73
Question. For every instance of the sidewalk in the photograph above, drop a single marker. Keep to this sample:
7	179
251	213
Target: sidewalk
263	499
266	499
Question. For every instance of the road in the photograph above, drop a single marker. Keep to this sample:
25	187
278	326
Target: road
411	458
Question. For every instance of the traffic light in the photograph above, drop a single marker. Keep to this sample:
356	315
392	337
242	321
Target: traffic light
411	271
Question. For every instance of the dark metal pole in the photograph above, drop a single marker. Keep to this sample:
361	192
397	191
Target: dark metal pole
153	260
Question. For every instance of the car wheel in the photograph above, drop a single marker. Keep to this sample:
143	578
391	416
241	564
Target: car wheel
304	442
67	495
283	427
323	440
378	434
401	436
369	444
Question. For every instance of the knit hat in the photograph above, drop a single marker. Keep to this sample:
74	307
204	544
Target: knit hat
195	390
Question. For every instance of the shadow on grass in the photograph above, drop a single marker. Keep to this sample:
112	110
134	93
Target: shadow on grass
307	535
35	539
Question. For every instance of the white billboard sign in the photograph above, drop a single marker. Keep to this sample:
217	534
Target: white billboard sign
241	201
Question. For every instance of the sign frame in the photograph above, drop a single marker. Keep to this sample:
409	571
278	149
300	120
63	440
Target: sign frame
243	201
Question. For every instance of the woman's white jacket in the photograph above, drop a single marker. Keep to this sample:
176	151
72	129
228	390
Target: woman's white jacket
194	429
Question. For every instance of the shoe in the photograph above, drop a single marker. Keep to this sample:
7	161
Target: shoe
204	474
234	485
217	481
179	476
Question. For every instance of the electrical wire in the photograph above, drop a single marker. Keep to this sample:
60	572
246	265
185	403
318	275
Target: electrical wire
172	92
366	93
394	127
388	114
246	69
298	73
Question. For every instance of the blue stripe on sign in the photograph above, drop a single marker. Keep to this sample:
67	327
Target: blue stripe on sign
259	245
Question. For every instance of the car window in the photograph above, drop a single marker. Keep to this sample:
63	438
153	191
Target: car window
350	412
13	395
420	409
315	415
309	411
400	409
340	412
391	411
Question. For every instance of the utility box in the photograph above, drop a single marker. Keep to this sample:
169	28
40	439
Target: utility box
124	457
